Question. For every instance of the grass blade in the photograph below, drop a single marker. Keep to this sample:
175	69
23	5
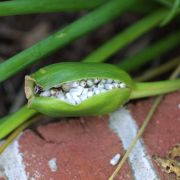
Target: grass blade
61	38
141	58
8	8
172	13
124	38
12	121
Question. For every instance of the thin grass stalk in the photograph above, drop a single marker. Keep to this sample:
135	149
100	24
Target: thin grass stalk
64	36
172	13
15	7
12	121
149	116
152	73
140	90
17	132
166	3
125	37
148	54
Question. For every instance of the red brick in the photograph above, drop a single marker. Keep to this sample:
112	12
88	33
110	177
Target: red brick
83	148
163	130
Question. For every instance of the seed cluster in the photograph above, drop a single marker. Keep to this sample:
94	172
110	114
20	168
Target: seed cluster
77	91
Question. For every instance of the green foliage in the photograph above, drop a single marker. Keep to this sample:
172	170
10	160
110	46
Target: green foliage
18	7
126	37
144	56
57	74
172	13
104	11
91	21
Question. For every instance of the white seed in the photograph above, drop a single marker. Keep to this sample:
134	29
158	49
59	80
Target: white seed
115	159
116	85
85	90
109	81
80	89
90	93
70	98
91	88
90	82
108	86
103	81
96	90
100	85
60	95
76	99
75	84
53	92
45	93
73	90
96	80
122	85
83	83
77	91
83	97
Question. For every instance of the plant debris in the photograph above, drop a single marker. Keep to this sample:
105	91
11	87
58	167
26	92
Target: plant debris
171	163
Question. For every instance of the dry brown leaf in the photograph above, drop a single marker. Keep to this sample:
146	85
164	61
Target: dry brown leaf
174	152
170	164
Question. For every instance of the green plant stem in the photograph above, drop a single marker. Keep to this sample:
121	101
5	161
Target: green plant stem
144	7
147	89
140	7
172	13
8	8
16	133
61	38
125	37
151	73
166	3
12	121
141	90
141	58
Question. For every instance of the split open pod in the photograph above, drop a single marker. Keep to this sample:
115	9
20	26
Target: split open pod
78	89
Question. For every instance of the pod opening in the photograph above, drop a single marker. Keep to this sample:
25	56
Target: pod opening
76	92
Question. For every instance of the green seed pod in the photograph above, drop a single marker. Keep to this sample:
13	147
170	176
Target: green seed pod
78	89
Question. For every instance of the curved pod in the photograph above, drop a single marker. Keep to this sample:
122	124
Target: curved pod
53	77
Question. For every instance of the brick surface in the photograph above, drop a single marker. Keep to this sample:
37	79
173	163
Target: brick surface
81	148
163	131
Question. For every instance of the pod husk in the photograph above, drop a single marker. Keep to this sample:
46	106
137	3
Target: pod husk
56	74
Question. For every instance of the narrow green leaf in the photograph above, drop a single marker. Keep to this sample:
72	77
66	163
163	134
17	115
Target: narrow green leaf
125	37
172	13
148	54
88	23
8	8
